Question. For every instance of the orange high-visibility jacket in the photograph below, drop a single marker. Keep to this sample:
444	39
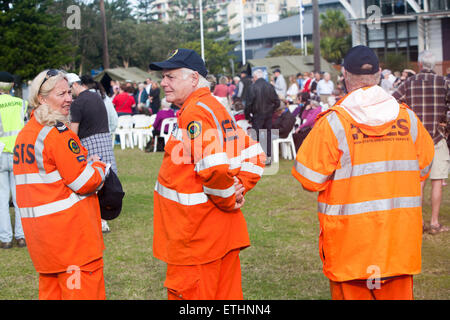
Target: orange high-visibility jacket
369	202
194	198
56	196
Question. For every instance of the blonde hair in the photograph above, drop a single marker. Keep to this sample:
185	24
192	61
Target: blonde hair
44	114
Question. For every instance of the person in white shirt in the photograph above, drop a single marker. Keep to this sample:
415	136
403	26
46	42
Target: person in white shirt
325	87
280	84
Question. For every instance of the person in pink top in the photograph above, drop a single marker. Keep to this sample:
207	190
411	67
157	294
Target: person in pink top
221	90
308	117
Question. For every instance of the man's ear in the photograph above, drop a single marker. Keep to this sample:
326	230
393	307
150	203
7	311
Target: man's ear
195	79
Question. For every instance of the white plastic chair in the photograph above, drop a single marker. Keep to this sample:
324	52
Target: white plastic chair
170	123
287	147
124	130
142	131
243	124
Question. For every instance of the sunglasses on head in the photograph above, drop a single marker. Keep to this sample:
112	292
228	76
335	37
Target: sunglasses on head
50	73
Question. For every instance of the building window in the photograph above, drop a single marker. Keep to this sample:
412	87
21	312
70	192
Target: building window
260	7
395	37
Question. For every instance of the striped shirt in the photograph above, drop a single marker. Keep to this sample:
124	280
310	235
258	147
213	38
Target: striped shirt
429	97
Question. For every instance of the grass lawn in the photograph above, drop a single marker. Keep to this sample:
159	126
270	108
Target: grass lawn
282	263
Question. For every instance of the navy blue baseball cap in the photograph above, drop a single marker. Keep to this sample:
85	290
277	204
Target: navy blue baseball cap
6	77
182	58
358	56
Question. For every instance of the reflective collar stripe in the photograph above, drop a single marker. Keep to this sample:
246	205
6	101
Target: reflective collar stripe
35	178
252	168
339	132
223	193
187	199
50	208
39	147
310	174
82	179
211	161
413	120
248	153
369	206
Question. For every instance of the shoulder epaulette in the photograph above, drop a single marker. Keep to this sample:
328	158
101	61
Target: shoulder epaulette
61	127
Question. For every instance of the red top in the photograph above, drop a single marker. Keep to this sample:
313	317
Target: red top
221	90
123	103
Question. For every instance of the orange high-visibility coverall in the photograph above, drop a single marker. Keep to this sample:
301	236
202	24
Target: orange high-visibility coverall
60	211
369	202
197	232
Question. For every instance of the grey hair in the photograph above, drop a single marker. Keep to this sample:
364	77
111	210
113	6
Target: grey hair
356	81
427	59
5	87
258	73
202	82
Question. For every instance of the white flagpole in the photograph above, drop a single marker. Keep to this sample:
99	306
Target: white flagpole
201	30
300	8
242	33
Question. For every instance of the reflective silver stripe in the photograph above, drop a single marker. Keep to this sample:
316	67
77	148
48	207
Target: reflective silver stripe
39	147
223	193
346	160
310	174
425	170
413	119
211	161
187	199
102	174
252	168
82	179
248	153
219	129
383	166
34	178
369	206
50	208
9	133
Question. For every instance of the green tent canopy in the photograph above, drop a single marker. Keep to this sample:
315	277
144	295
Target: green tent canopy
131	74
291	65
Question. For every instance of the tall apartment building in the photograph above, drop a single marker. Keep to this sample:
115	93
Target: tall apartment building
256	12
403	26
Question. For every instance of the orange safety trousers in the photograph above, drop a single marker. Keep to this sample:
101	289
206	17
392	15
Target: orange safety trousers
83	283
397	288
217	280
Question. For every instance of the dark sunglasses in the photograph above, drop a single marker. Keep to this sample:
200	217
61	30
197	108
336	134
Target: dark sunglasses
50	73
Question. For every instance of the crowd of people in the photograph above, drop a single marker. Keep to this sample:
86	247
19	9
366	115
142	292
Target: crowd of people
367	142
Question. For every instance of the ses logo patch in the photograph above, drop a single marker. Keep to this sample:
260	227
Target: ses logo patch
74	147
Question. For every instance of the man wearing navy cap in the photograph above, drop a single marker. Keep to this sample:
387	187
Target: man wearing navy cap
208	166
366	156
12	116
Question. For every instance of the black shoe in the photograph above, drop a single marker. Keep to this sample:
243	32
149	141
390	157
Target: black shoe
21	243
6	245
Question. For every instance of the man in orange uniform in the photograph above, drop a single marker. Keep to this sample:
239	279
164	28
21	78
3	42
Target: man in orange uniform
366	156
56	186
209	164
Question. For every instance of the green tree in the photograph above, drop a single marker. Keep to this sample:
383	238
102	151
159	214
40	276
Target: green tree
217	59
335	35
32	39
285	48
